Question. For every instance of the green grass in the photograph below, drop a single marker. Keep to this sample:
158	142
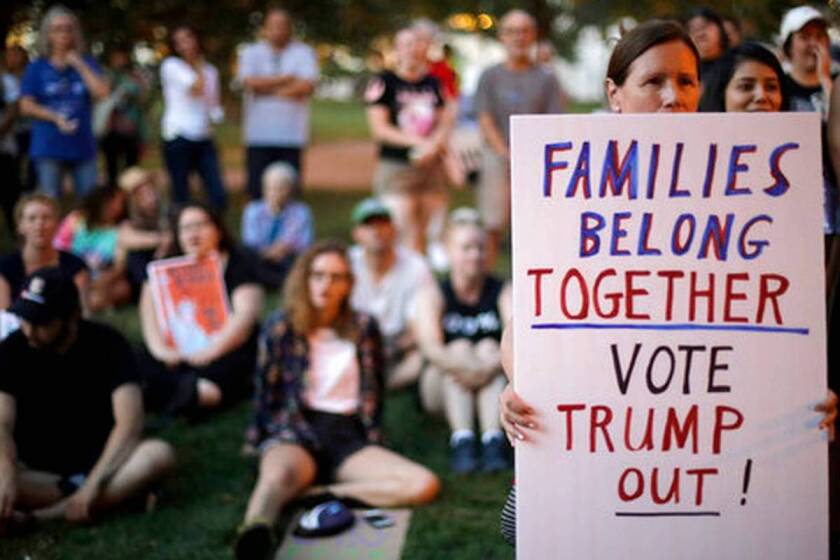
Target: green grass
204	500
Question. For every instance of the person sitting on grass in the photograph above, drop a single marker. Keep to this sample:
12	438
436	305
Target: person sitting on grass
278	227
71	412
37	216
145	226
92	233
221	373
459	324
388	276
318	404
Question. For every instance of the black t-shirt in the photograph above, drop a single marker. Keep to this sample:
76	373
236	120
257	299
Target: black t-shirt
64	411
13	270
472	321
412	107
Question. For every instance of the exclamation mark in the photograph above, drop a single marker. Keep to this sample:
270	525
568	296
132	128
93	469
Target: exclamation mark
746	485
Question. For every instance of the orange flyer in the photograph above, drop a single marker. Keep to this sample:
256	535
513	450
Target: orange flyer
191	302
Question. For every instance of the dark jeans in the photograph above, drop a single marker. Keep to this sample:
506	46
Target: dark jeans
183	156
120	151
25	166
259	157
9	190
233	373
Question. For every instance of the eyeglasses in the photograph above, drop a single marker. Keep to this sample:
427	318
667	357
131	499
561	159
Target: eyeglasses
191	226
321	275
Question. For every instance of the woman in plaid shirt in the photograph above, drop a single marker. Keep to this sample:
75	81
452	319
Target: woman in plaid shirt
318	403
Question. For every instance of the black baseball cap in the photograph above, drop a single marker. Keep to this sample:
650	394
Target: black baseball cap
49	294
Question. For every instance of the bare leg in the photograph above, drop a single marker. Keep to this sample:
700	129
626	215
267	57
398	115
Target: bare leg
488	353
459	401
487	402
36	489
285	470
209	394
383	478
404	209
406	371
431	391
149	461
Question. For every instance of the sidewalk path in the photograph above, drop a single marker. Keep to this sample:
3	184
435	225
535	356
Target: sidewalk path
345	165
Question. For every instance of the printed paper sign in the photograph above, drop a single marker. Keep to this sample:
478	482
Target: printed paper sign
191	303
669	331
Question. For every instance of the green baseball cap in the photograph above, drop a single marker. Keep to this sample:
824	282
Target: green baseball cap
369	208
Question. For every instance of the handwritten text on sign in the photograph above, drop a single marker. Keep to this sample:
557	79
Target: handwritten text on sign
668	301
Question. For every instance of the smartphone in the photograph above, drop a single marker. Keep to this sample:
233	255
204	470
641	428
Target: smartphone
378	519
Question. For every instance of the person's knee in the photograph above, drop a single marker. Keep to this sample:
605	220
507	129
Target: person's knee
421	487
209	394
461	347
487	350
277	477
159	455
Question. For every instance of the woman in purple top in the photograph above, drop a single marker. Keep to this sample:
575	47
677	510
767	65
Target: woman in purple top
58	91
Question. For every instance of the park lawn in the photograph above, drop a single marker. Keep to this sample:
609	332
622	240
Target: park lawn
203	501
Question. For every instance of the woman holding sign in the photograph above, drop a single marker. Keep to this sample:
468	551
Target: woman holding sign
177	383
318	403
653	68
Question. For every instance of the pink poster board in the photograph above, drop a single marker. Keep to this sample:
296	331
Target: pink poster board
669	331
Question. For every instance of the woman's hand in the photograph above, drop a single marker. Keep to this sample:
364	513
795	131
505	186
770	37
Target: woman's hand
516	416
829	409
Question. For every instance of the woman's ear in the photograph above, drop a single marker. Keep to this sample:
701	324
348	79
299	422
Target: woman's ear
613	95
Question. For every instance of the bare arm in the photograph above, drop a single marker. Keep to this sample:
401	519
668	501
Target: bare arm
127	403
8	456
5	294
82	281
152	335
31	108
426	325
267	85
492	135
133	239
298	89
384	131
97	85
247	301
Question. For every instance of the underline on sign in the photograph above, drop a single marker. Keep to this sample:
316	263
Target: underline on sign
669	327
667	514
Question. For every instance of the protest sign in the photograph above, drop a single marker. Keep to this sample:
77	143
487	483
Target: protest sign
191	303
669	331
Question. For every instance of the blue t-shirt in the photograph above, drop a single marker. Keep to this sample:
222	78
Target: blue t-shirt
63	91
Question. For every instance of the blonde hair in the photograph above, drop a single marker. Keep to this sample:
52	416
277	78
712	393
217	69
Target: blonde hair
42	45
39	198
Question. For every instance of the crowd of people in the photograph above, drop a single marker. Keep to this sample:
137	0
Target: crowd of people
354	322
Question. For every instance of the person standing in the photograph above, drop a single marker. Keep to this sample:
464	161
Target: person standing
16	60
406	117
58	91
124	128
191	105
278	75
516	86
804	36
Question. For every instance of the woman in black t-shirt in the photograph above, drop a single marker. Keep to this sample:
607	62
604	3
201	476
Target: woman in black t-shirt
36	218
458	327
405	115
177	383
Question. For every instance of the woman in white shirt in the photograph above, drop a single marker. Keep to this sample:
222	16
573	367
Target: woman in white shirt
191	105
318	403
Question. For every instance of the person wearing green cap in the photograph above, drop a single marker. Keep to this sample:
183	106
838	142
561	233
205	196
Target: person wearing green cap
388	276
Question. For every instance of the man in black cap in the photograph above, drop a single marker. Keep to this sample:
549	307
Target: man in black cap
71	411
